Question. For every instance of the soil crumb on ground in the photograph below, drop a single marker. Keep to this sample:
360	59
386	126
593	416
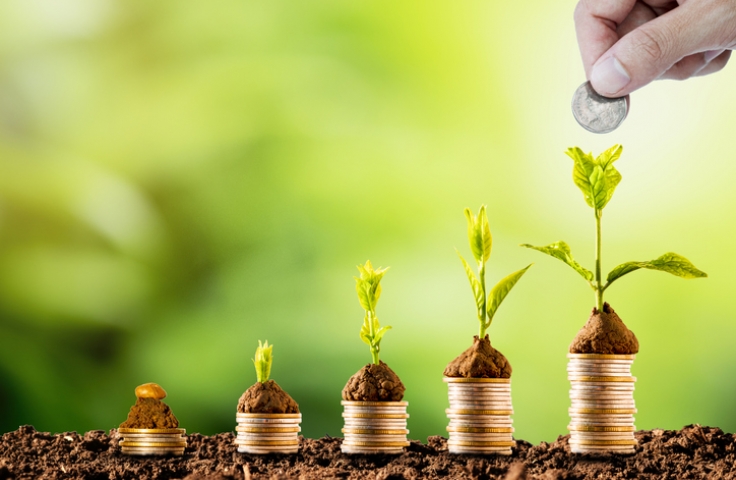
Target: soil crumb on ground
481	360
150	413
267	397
605	333
374	383
694	452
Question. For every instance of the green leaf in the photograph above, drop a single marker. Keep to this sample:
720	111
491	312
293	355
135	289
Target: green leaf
561	251
485	233
380	333
263	361
501	289
365	296
474	236
478	292
670	262
365	332
597	178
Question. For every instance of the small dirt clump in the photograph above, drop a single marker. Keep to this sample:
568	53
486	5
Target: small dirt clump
481	360
267	397
605	333
150	413
374	383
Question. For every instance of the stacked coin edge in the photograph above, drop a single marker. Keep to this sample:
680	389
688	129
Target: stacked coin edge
602	403
264	433
374	427
480	416
152	441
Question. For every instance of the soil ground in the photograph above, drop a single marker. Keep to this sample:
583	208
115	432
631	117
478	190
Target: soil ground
692	453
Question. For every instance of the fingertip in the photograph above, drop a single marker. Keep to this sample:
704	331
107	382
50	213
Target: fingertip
610	78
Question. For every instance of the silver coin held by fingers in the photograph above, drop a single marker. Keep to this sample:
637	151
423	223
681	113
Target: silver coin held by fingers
596	113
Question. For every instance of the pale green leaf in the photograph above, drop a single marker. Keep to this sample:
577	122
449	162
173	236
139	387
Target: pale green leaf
596	178
475	236
670	262
364	294
365	332
561	251
478	292
485	233
380	333
501	289
263	361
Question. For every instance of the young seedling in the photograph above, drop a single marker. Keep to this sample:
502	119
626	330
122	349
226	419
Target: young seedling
263	361
479	235
597	178
368	286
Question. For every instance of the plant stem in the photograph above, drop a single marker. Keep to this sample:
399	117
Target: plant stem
598	280
374	348
482	277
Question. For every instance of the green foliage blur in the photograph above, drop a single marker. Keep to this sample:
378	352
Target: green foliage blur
179	179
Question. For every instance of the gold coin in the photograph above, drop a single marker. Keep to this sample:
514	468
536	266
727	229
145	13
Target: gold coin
462	411
603	443
368	431
591	428
266	443
586	378
475	380
267	429
373	404
268	415
603	411
461	443
375	444
375	415
480	429
128	443
180	431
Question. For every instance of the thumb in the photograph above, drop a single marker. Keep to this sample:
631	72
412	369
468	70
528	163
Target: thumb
648	51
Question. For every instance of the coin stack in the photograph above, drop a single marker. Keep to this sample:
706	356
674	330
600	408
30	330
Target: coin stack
480	415
374	427
152	441
602	411
262	433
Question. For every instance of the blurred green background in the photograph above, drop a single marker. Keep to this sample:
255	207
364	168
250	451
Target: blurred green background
181	179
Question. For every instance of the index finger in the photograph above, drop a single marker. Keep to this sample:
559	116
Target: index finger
596	22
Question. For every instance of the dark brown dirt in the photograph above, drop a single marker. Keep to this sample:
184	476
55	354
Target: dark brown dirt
481	360
150	413
374	383
267	397
693	453
605	333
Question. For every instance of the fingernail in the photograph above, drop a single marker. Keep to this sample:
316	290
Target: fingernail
609	77
709	55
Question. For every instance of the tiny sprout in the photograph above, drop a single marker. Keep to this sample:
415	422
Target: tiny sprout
479	235
263	361
597	178
368	286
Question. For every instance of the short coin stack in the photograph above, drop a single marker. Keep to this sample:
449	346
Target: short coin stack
602	410
152	441
480	415
374	427
262	433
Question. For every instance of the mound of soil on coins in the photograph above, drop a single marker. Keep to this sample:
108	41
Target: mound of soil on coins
267	397
694	452
481	360
605	333
150	413
374	383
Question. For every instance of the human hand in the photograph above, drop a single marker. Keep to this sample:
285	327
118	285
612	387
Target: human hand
626	44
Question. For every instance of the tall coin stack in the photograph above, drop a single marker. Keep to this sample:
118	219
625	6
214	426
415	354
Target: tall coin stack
152	441
374	427
262	433
480	415
602	410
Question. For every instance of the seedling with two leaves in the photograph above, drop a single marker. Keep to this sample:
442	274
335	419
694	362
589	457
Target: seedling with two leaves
597	178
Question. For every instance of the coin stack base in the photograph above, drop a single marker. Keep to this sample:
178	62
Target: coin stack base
374	427
263	433
602	403
480	416
152	441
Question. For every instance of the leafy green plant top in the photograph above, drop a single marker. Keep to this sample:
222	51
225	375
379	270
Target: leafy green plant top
368	286
479	236
263	360
597	178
